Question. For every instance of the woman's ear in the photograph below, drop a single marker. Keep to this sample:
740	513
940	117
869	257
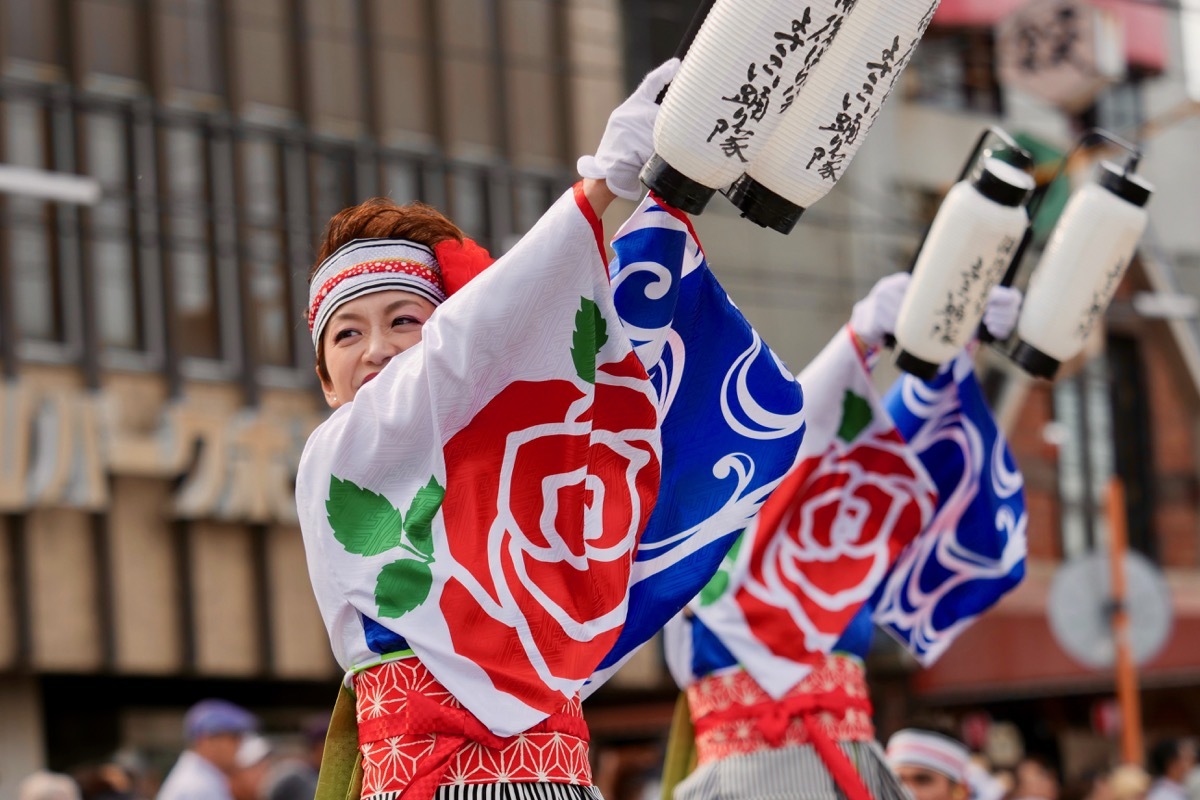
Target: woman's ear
331	398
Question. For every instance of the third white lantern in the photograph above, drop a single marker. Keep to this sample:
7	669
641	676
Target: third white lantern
1084	261
968	249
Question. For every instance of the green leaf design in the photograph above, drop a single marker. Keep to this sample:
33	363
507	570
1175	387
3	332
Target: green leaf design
716	587
364	522
402	586
591	333
856	416
418	522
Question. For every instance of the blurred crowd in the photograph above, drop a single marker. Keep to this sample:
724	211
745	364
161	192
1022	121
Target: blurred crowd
225	758
1171	773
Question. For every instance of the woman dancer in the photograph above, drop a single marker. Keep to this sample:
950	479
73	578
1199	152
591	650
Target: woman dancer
471	508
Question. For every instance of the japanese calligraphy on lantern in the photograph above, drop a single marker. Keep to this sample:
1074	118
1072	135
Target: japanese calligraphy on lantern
773	80
1063	51
965	303
860	106
1101	298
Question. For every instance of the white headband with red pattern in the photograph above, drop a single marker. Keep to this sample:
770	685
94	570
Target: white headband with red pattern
919	748
364	266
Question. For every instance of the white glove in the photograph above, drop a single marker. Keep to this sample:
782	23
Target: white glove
628	140
1003	309
875	315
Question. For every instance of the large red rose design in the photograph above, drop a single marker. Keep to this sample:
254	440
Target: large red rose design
826	537
547	491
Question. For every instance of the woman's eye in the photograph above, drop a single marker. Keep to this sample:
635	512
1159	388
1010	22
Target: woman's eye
345	333
405	321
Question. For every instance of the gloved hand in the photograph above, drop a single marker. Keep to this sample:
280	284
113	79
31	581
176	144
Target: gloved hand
628	140
1003	309
875	315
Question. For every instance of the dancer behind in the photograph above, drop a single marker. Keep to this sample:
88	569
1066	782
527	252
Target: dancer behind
932	764
814	737
468	584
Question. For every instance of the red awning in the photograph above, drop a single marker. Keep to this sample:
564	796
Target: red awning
1145	25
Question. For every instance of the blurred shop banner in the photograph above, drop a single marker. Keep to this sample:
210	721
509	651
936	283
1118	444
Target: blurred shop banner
1065	52
1145	25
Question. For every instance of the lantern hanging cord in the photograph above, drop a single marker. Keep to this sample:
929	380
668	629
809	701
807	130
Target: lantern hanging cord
1132	160
1023	157
1134	156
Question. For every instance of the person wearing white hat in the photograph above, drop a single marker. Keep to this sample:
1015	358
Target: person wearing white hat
251	764
931	764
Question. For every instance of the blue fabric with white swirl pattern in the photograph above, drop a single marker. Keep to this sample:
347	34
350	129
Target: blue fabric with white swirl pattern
973	552
732	415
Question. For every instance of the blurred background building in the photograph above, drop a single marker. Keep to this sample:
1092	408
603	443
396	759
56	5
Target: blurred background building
157	373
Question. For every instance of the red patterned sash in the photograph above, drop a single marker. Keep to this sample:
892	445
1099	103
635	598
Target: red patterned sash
734	716
414	737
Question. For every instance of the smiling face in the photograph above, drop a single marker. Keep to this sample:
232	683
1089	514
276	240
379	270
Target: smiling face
363	335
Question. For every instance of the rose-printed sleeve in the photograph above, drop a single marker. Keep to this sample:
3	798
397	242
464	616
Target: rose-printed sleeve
483	496
828	533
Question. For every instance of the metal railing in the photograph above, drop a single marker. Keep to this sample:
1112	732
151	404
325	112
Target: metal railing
194	262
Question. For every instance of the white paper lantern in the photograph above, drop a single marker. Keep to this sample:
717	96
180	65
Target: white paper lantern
1085	259
967	251
832	112
744	67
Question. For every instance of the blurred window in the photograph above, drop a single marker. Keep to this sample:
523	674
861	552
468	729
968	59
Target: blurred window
189	251
653	29
30	35
109	247
1132	443
1120	108
533	75
332	178
331	47
468	62
264	253
189	52
106	39
1108	388
31	240
403	72
955	69
265	55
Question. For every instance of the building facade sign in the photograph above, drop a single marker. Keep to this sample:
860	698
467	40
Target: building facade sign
58	447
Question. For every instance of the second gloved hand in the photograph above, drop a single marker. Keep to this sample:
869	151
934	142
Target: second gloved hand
628	140
875	315
1003	310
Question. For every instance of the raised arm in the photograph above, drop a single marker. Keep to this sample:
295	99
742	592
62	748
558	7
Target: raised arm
626	145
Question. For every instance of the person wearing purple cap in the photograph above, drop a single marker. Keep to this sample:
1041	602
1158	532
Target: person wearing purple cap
214	731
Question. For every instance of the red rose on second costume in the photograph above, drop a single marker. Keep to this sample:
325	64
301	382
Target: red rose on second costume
547	490
839	521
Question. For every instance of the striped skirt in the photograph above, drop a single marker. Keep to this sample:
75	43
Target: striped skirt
790	773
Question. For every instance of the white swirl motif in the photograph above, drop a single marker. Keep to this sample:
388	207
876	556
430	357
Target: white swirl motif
667	375
768	425
906	607
648	342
